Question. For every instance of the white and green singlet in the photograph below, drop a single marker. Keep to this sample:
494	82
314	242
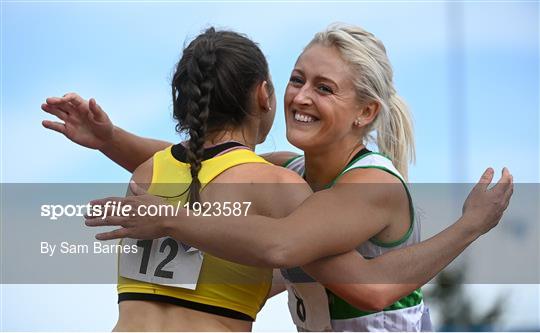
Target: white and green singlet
314	308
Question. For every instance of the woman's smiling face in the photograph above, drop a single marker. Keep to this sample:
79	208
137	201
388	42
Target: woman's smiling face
320	100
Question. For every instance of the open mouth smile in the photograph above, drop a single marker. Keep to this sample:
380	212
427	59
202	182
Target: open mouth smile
304	117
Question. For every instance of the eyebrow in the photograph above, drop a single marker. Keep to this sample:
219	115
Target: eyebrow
318	77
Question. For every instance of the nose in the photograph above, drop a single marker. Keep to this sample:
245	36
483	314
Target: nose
303	96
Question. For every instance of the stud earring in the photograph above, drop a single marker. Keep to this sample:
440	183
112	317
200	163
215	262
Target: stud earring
357	122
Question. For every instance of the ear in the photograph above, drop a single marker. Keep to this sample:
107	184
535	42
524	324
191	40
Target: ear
367	114
263	96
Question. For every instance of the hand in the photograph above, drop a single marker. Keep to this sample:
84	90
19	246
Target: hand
485	207
85	123
133	225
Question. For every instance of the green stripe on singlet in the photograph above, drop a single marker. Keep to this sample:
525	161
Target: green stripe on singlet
339	309
290	160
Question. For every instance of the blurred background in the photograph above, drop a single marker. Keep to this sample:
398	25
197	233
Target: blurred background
468	70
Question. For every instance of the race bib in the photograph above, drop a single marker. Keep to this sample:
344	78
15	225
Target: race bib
162	261
308	305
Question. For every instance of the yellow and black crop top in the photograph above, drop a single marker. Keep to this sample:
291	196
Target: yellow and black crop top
235	300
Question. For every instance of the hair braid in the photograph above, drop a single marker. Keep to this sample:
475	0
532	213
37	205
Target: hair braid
211	90
197	91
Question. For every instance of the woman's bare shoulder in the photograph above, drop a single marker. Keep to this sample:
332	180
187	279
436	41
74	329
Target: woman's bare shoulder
259	173
368	175
274	191
374	187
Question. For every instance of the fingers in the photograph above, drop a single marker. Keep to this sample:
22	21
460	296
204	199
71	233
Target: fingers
508	194
115	234
68	103
74	99
55	126
507	197
54	100
504	182
106	201
59	103
69	97
96	111
67	107
485	180
57	100
55	111
106	221
109	207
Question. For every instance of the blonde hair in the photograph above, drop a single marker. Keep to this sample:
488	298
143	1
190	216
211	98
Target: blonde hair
374	82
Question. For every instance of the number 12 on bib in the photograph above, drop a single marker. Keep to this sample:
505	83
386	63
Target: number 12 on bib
162	261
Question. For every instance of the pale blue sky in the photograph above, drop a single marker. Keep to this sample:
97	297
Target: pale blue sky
123	53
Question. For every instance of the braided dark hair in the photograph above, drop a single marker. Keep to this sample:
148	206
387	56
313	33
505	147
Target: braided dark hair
211	88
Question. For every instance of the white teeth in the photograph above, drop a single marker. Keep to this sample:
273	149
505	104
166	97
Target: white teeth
303	118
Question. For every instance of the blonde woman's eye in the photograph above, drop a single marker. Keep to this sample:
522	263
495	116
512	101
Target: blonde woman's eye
296	80
325	89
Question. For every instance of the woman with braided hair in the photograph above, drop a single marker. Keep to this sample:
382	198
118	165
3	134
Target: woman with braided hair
223	98
340	89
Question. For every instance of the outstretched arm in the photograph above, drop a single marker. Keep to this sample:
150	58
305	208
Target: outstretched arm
326	223
257	241
364	283
85	123
129	150
377	283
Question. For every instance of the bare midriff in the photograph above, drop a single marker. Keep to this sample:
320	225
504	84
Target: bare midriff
157	316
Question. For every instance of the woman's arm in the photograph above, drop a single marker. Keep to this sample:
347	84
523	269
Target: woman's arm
129	150
360	282
368	284
85	123
375	284
326	223
256	240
